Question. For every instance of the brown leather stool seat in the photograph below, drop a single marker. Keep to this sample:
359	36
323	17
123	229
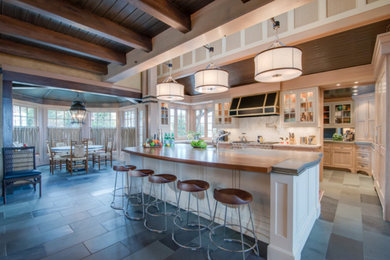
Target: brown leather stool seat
123	168
193	185
162	178
232	196
141	173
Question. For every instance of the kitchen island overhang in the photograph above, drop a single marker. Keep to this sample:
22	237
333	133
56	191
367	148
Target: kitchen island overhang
284	184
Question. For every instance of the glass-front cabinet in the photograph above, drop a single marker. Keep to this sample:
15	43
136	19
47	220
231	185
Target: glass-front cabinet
326	115
164	113
338	114
221	113
300	107
289	107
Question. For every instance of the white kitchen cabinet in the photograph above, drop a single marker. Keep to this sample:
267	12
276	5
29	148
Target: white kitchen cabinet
365	118
221	114
300	107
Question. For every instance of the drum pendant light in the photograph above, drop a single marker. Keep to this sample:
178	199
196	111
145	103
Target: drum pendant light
169	89
212	79
279	62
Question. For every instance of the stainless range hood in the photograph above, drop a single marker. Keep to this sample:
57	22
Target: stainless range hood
266	104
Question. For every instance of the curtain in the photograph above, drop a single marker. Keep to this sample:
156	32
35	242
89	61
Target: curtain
59	134
27	135
100	135
128	137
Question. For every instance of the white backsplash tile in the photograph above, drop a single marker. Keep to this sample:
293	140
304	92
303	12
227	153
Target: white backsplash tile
269	127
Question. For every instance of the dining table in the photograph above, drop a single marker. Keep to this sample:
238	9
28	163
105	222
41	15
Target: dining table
66	149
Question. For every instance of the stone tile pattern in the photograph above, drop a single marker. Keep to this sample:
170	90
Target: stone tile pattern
73	220
351	224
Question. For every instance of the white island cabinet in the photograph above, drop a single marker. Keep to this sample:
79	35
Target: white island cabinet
284	185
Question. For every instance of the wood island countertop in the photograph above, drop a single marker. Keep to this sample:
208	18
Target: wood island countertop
249	159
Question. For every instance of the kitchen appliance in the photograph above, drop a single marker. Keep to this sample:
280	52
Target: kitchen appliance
260	139
266	104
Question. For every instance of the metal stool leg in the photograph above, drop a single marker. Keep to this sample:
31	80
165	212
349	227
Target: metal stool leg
242	235
253	228
114	195
140	201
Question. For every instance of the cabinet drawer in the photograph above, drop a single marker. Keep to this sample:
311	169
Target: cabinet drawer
343	147
361	148
327	146
363	155
363	165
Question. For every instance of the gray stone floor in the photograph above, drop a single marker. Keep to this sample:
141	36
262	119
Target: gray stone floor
351	224
73	220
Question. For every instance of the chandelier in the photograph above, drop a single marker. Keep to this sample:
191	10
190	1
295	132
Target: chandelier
169	89
279	62
78	112
212	79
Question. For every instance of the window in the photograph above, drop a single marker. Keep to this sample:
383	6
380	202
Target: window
172	120
181	122
60	119
200	122
210	117
141	127
131	118
23	116
103	119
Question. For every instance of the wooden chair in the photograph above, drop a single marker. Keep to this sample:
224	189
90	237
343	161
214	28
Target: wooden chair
78	158
105	155
55	159
19	168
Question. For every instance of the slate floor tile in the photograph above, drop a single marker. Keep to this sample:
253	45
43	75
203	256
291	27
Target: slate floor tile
141	240
154	251
348	228
75	252
376	224
376	246
370	199
344	248
114	252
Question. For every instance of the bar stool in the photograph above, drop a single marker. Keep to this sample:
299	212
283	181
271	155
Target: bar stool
120	169
191	186
162	180
235	198
139	198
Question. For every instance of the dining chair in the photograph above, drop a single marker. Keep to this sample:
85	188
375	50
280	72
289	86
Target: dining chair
105	155
54	159
78	158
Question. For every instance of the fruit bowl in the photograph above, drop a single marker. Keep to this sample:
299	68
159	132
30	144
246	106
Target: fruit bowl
152	143
199	144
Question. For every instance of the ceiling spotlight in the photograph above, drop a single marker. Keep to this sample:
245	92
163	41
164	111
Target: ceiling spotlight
338	84
356	82
354	94
355	87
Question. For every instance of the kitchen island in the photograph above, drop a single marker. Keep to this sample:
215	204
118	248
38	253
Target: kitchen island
284	185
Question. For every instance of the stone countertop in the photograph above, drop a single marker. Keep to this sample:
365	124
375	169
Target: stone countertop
249	159
256	144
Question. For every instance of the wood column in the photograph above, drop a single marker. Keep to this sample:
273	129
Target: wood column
6	117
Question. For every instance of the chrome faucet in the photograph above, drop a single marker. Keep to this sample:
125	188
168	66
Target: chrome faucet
243	138
216	140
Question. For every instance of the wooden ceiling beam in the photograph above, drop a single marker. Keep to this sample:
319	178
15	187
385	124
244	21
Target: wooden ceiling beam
165	12
85	20
55	57
16	28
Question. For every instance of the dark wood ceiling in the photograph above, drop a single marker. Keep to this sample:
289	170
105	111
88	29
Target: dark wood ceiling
98	31
346	49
